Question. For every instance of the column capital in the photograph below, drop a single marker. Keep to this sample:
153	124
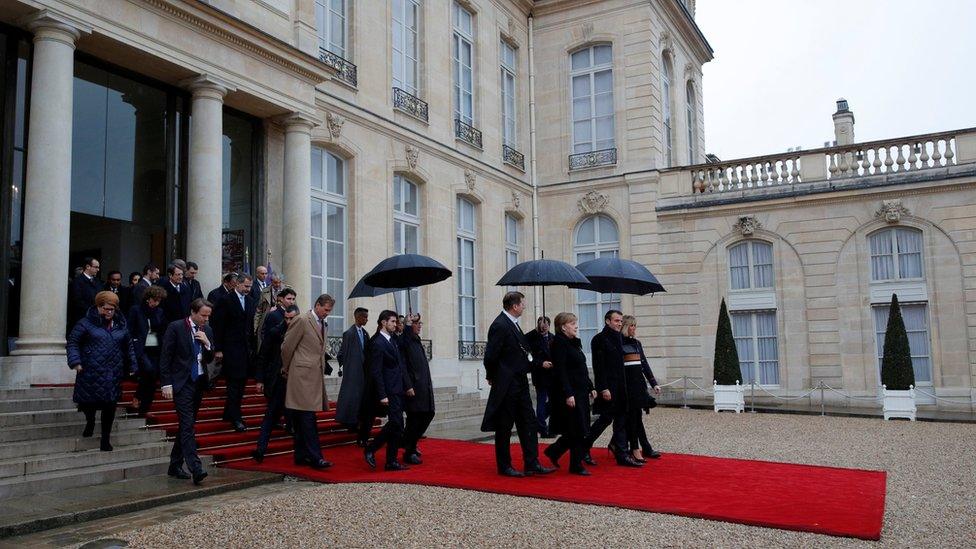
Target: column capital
208	85
298	122
47	24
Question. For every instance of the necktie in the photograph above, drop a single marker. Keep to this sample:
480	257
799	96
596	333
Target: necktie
362	338
241	297
195	372
322	327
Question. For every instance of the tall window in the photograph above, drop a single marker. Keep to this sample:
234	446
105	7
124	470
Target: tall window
330	19
329	230
915	316
690	119
896	254
667	75
406	50
406	233
592	90
509	71
755	341
463	53
751	265
511	241
596	237
466	239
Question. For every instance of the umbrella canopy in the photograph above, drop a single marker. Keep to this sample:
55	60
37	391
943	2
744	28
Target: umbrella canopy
542	272
615	275
406	271
365	290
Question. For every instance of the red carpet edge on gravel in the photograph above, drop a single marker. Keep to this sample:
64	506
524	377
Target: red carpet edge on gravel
805	498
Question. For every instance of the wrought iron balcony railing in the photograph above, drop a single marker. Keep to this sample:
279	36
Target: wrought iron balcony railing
592	159
513	158
347	71
471	350
410	104
467	133
335	343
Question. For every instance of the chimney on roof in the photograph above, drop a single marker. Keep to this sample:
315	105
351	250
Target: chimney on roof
843	123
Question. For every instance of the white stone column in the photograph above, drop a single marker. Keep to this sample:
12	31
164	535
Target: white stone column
296	211
204	215
47	199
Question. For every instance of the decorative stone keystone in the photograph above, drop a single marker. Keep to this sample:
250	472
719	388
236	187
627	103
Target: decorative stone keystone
747	225
469	180
412	154
891	211
593	202
335	123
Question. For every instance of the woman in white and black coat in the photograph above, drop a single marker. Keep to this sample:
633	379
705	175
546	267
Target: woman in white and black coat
638	374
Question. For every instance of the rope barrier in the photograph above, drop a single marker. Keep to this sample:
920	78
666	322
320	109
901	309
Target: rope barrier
943	399
845	395
805	395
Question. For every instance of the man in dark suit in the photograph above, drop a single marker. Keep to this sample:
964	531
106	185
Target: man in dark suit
420	406
177	302
190	279
352	368
542	375
186	349
392	384
227	285
113	283
507	362
268	372
81	294
260	282
233	320
606	349
150	274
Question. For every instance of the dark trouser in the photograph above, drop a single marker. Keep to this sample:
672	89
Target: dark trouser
306	428
542	407
516	409
187	402
392	432
619	422
364	428
637	435
274	411
417	423
148	380
108	416
235	394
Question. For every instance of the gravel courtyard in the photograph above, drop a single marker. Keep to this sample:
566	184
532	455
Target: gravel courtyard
931	497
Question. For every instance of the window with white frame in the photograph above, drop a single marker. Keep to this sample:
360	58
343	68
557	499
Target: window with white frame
690	120
896	254
915	316
509	70
596	236
330	20
406	234
755	342
667	75
512	241
592	92
467	238
751	265
329	228
406	47
463	55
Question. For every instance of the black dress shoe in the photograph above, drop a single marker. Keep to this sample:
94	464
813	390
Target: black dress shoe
413	459
321	464
653	454
537	469
179	473
370	458
628	461
198	477
239	426
581	471
552	455
510	472
257	456
395	466
588	459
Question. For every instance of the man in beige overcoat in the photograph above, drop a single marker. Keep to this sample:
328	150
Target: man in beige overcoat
303	364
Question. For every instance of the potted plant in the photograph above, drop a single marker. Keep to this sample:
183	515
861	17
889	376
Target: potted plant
729	392
897	375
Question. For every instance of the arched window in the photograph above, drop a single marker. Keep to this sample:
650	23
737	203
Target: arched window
690	121
751	265
596	236
406	233
755	331
592	93
667	75
329	227
896	254
467	237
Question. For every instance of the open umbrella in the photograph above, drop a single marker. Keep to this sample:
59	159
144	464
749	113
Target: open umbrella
365	290
615	275
400	272
543	272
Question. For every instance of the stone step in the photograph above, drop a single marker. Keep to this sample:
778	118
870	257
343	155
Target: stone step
86	476
470	424
35	417
36	404
46	463
453	413
37	392
41	431
74	443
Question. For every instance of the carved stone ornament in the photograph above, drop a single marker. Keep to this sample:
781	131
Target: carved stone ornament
335	123
586	29
593	202
747	225
469	180
667	43
412	154
690	72
891	211
516	200
511	27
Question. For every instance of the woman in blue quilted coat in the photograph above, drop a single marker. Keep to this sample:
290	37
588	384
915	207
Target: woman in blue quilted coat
99	350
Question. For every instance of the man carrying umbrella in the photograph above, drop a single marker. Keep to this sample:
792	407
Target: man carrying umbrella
507	363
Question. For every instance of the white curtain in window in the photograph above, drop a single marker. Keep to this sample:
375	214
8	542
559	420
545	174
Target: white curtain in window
909	253
742	330
739	266
882	262
766	346
762	257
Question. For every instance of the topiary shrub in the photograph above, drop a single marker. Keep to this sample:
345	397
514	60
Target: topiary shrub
726	363
896	363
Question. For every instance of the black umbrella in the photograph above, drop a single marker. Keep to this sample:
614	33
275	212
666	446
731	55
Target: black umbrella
365	290
406	271
615	275
543	272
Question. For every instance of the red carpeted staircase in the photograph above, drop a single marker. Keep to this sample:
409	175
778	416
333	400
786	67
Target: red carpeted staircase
216	438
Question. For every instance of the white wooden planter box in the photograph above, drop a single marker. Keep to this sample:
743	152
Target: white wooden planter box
899	403
729	397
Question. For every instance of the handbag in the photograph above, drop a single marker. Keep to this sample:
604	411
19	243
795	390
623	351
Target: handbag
151	340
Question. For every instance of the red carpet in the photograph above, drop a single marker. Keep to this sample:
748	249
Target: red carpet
824	500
